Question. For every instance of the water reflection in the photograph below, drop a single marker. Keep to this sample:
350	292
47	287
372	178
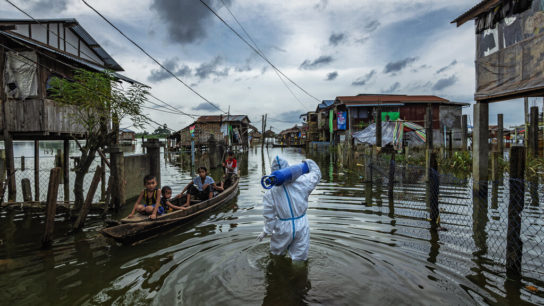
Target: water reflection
365	245
286	282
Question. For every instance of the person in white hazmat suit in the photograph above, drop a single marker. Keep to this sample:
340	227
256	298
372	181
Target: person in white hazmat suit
284	210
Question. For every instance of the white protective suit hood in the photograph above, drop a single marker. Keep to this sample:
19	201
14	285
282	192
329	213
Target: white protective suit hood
284	210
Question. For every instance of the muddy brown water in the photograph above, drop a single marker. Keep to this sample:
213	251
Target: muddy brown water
361	253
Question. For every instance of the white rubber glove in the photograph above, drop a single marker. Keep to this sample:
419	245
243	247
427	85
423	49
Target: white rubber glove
262	236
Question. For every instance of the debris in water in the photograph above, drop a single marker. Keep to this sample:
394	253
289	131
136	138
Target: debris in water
531	288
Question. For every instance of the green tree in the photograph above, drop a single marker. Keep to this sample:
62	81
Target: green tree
98	102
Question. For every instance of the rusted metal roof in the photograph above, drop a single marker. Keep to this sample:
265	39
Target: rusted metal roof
372	100
482	7
222	118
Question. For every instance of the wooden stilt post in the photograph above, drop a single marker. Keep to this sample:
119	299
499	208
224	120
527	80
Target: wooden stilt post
480	155
433	186
23	163
36	170
8	141
514	245
52	192
27	192
66	170
89	199
102	179
378	127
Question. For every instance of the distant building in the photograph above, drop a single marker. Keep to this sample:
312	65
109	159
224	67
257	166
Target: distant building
292	137
126	135
232	130
354	113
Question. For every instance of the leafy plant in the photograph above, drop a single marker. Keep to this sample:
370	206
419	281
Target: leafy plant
98	102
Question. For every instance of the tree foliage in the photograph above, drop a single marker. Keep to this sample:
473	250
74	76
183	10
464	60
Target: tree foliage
98	102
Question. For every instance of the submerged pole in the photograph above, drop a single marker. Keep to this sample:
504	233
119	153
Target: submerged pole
514	244
36	170
52	192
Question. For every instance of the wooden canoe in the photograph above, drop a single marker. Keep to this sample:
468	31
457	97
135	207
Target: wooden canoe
140	227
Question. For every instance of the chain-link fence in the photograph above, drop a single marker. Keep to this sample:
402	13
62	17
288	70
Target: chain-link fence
502	232
26	170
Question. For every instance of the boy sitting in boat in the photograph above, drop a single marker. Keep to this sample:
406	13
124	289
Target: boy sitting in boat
151	196
201	187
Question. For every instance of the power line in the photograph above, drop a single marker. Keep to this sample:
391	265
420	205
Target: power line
82	51
256	51
261	51
152	58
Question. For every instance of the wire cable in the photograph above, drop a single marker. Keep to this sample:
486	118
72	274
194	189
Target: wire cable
69	43
256	51
152	58
262	53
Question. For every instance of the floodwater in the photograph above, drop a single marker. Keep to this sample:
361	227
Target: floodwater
362	252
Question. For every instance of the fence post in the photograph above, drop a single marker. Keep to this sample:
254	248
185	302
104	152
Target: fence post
27	192
433	187
514	245
66	170
378	127
36	170
52	192
500	134
89	199
495	177
533	133
450	143
391	176
464	132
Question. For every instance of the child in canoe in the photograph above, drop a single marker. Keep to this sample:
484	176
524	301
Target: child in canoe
201	187
166	192
150	196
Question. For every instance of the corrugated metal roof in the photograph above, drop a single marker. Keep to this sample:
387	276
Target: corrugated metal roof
391	98
125	130
68	56
221	118
325	104
109	62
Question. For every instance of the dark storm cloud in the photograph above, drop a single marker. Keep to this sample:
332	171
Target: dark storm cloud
318	62
372	26
444	83
393	88
186	20
361	81
321	5
453	63
204	106
336	39
160	74
205	70
49	5
331	76
398	65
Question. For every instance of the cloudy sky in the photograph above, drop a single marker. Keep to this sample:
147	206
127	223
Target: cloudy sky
329	48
